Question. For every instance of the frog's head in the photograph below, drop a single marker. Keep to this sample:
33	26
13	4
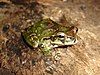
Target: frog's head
58	40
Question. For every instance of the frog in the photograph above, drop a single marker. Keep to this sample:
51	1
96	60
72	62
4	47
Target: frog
47	34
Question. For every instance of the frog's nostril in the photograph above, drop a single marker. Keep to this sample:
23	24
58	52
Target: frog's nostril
74	40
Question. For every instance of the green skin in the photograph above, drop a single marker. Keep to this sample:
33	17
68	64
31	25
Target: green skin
47	34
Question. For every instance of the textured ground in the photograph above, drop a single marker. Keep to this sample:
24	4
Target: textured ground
16	58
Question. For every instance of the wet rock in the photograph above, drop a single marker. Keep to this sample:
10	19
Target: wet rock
12	46
83	7
5	28
48	62
3	4
49	70
5	72
15	27
20	1
33	62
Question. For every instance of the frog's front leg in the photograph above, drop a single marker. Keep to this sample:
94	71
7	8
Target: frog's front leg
46	50
46	47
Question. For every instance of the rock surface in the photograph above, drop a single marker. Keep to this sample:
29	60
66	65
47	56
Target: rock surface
81	59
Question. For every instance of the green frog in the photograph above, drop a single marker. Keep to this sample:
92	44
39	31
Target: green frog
46	34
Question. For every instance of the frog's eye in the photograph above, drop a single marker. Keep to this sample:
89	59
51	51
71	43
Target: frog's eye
62	34
61	37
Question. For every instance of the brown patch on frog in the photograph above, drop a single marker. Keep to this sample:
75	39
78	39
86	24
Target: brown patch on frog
72	31
72	28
